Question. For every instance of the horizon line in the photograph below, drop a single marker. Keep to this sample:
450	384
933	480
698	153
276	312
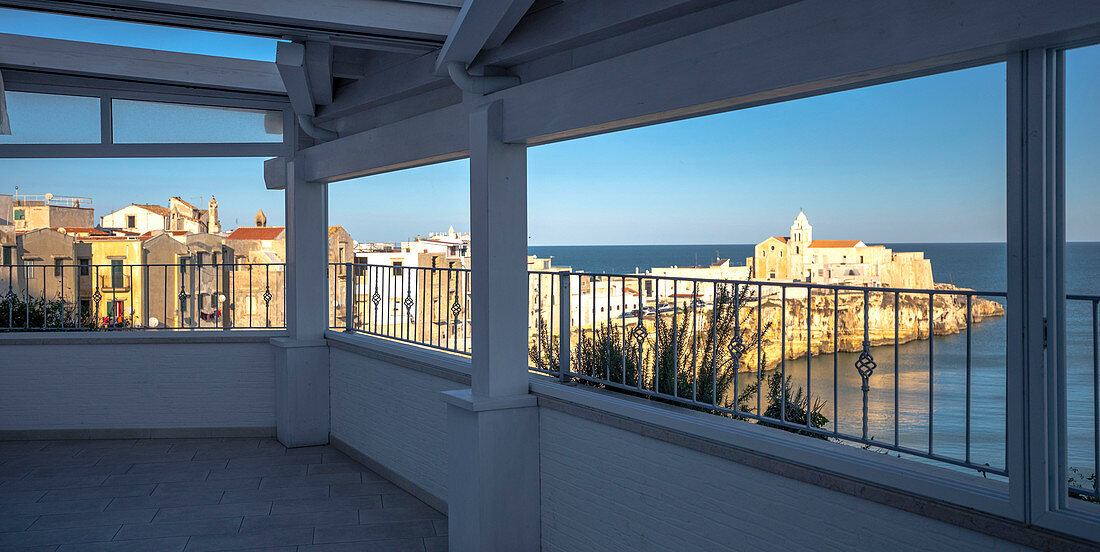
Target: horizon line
752	244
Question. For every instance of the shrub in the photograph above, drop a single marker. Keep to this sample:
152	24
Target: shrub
690	360
18	313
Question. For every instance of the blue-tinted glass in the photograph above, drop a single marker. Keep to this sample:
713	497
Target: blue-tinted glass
138	122
51	119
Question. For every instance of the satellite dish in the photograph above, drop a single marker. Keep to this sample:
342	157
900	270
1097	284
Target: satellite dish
153	322
49	196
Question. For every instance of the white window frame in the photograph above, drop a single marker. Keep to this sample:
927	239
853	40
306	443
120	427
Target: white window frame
1037	338
107	148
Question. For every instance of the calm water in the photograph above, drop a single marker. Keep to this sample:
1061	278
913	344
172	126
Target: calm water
978	266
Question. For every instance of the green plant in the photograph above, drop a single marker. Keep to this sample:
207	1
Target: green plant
780	395
686	355
1077	478
19	313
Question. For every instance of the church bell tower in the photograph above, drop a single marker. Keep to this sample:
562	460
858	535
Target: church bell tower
213	223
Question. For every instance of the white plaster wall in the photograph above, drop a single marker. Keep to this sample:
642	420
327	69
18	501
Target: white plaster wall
144	220
137	385
608	489
392	414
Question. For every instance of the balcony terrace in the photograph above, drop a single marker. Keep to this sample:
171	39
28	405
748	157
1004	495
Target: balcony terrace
282	408
203	494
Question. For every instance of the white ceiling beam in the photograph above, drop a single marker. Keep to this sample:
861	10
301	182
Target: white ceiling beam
733	66
572	26
276	18
290	58
412	77
441	135
546	32
139	64
319	69
5	123
752	61
480	24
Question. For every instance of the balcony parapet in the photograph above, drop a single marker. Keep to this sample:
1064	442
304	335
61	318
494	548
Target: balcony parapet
142	337
450	366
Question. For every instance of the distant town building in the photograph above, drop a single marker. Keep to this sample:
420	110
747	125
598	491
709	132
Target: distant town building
452	244
397	290
800	258
31	212
260	280
657	291
376	247
6	203
179	215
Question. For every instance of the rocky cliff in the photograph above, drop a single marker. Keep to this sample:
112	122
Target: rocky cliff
949	316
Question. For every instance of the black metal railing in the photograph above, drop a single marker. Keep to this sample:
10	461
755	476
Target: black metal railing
428	306
1083	372
916	372
121	296
800	356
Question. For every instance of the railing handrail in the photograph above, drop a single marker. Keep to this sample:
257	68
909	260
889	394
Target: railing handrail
399	267
766	283
191	265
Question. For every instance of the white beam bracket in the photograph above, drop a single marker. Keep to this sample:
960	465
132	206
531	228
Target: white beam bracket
479	85
290	58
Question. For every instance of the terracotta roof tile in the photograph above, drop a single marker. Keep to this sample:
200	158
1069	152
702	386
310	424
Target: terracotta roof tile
181	200
81	230
256	233
162	211
171	232
835	243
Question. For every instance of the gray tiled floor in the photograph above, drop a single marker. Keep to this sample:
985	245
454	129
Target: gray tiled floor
194	495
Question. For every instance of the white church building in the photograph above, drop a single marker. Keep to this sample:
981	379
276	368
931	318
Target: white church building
800	258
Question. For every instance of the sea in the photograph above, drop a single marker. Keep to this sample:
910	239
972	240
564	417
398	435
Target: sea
931	404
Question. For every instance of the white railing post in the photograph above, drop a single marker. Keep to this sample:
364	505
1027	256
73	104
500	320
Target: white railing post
565	328
349	297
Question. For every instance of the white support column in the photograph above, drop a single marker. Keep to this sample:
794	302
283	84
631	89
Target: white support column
493	487
301	365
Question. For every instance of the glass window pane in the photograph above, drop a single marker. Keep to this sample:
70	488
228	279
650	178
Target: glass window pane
1082	266
137	122
51	119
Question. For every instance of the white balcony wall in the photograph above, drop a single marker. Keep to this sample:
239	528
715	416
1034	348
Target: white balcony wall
111	385
605	488
386	410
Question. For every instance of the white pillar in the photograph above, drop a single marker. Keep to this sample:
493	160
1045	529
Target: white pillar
493	485
301	362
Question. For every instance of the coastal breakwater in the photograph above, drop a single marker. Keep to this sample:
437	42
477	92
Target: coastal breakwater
948	317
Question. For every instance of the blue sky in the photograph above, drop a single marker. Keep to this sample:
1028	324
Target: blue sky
918	160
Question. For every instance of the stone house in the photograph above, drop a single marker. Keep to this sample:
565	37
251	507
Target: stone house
30	212
45	266
341	250
179	216
258	283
